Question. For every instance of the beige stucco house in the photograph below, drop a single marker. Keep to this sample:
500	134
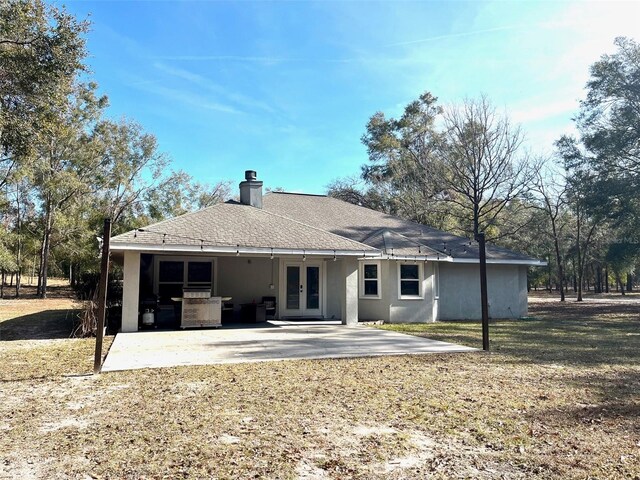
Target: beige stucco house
320	257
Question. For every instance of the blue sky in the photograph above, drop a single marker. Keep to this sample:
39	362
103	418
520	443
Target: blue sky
286	88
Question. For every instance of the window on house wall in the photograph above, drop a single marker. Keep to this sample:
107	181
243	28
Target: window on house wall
176	274
410	279
170	279
171	272
199	273
370	284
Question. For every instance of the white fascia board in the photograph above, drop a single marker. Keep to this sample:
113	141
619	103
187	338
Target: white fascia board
420	258
242	250
533	263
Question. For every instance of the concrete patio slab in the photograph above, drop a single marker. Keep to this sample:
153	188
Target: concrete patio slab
263	342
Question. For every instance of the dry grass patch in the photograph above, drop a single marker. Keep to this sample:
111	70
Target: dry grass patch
395	417
30	318
46	359
548	404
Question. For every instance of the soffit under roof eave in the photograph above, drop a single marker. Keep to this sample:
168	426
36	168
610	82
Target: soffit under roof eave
419	258
497	261
133	247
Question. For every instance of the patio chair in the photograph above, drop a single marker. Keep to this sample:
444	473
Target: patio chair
270	304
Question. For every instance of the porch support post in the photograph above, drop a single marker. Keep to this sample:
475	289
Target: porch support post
349	291
130	291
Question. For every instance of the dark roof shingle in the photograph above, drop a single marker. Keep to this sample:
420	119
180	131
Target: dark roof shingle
362	224
231	224
309	222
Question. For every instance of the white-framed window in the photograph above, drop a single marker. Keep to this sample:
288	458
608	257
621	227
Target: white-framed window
410	281
175	273
370	279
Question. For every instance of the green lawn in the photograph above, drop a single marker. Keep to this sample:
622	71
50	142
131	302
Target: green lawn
557	397
569	341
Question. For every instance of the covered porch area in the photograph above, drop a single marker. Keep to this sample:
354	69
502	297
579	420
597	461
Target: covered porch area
250	286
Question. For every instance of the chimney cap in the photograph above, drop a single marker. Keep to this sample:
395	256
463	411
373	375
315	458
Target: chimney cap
250	175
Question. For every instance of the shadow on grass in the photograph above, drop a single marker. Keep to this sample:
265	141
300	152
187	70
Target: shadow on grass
29	292
577	342
616	399
583	342
45	325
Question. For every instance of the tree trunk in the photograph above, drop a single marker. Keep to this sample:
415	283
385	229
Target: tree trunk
579	253
40	265
579	287
2	285
606	278
44	251
598	280
629	282
19	242
45	264
620	283
39	287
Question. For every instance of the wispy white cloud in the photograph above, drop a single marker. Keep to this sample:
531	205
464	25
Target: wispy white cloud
228	58
299	80
273	61
182	96
455	35
213	87
156	86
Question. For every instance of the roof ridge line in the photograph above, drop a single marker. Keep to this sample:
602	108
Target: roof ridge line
284	192
419	244
319	229
417	224
373	234
384	230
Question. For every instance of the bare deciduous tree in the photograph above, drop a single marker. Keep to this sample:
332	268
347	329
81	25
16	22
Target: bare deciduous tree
553	201
484	166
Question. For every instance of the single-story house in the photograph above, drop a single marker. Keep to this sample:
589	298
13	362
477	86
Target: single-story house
320	257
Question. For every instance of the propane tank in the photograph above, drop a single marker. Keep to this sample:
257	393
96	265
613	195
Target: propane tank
147	317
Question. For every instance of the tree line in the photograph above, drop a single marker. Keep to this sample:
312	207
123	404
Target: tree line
65	165
463	168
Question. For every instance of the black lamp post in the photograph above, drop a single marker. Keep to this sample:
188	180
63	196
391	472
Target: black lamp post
483	290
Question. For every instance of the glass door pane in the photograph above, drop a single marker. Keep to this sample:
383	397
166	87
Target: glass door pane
313	288
293	287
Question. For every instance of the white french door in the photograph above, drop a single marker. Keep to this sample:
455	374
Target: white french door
302	296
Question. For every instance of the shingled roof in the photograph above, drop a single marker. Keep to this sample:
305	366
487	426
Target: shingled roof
403	237
295	223
233	226
399	246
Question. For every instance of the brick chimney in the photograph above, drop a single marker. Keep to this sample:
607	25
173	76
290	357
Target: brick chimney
251	190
